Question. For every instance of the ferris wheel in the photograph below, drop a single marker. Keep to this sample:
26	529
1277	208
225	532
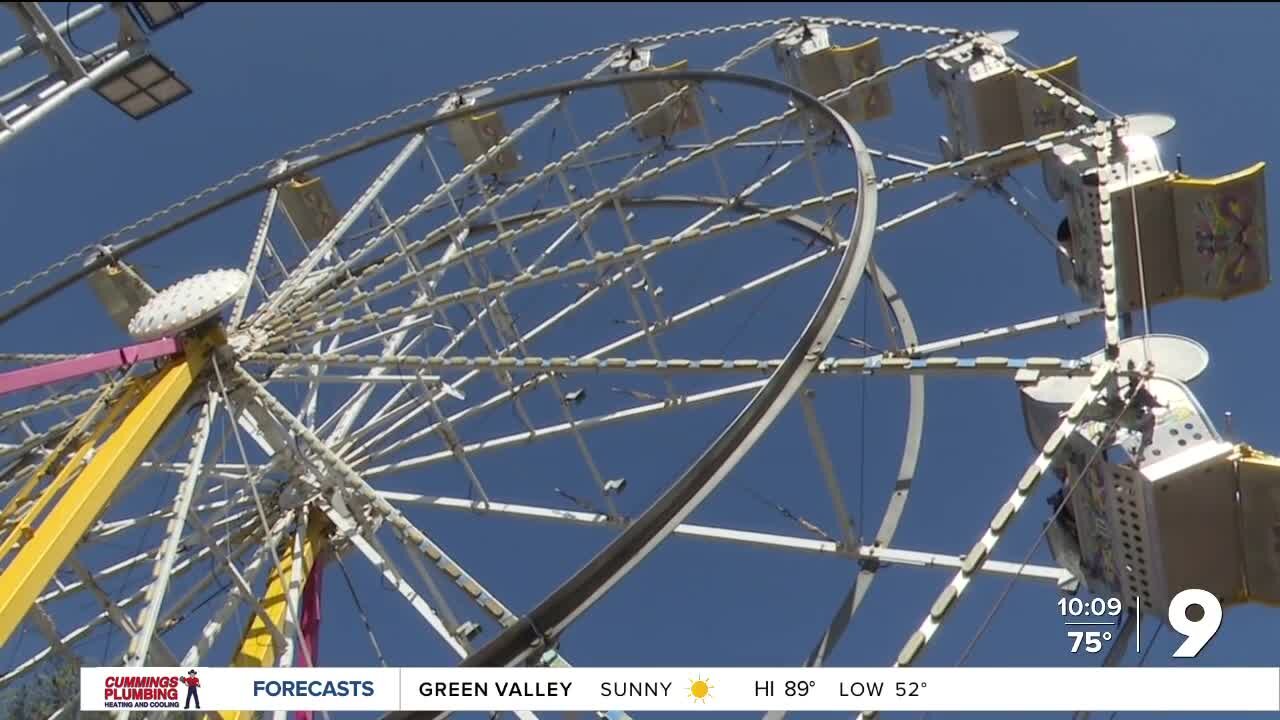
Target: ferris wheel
588	292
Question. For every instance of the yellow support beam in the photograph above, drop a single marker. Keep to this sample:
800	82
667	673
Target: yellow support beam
84	501
26	524
258	646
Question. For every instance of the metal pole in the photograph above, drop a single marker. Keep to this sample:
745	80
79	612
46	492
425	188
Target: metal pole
31	44
111	65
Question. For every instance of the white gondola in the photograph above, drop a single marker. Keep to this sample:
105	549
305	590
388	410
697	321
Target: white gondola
309	207
474	135
990	104
1168	504
1202	238
678	115
121	290
810	62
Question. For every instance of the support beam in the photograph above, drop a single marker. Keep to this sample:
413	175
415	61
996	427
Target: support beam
258	647
978	556
874	365
53	102
773	541
78	367
87	497
28	503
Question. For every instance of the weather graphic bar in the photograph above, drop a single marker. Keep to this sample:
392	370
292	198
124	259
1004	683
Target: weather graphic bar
682	689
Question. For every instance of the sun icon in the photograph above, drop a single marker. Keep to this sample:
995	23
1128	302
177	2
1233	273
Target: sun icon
700	689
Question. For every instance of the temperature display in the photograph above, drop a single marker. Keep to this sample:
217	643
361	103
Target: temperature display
797	689
1090	640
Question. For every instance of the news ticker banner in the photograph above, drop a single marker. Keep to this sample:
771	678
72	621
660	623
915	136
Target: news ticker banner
683	689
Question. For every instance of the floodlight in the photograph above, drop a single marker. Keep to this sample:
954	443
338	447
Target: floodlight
142	87
156	15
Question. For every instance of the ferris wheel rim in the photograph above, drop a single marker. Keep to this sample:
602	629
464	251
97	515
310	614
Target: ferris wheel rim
553	614
309	164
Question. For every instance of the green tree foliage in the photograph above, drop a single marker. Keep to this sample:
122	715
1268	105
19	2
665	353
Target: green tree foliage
41	696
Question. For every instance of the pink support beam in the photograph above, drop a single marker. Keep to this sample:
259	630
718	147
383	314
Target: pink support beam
78	367
310	623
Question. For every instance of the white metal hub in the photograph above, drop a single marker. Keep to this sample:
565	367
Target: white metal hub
187	304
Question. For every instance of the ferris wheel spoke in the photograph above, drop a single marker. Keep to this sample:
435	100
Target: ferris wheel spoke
976	162
84	631
255	252
539	433
579	223
505	378
226	522
677	318
139	647
430	319
794	218
444	191
604	259
1107	262
45	625
35	441
104	530
528	182
239	591
280	300
268	624
53	402
1011	201
456	635
978	556
626	185
68	589
441	622
628	238
1066	320
581	211
355	485
879	364
809	545
849	532
114	612
227	471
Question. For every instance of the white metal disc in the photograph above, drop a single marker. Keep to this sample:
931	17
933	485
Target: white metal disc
1151	125
187	304
1002	37
1174	357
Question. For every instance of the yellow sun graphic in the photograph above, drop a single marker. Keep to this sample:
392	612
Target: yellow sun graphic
700	689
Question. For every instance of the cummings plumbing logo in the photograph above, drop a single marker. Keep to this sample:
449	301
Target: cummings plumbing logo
151	692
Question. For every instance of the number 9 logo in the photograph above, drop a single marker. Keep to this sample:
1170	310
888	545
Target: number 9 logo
1198	632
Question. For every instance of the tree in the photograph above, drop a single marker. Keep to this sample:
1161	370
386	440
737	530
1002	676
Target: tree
41	696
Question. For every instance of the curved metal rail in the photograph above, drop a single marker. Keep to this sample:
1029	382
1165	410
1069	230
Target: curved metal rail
308	165
539	628
897	307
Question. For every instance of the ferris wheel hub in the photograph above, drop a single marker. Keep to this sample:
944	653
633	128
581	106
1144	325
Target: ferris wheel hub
187	303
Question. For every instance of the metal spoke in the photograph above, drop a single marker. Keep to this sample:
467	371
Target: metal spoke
886	555
982	550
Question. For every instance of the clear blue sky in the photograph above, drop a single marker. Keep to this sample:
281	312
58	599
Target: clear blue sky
270	77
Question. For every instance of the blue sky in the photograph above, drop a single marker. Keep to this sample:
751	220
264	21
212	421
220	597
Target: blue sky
270	77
